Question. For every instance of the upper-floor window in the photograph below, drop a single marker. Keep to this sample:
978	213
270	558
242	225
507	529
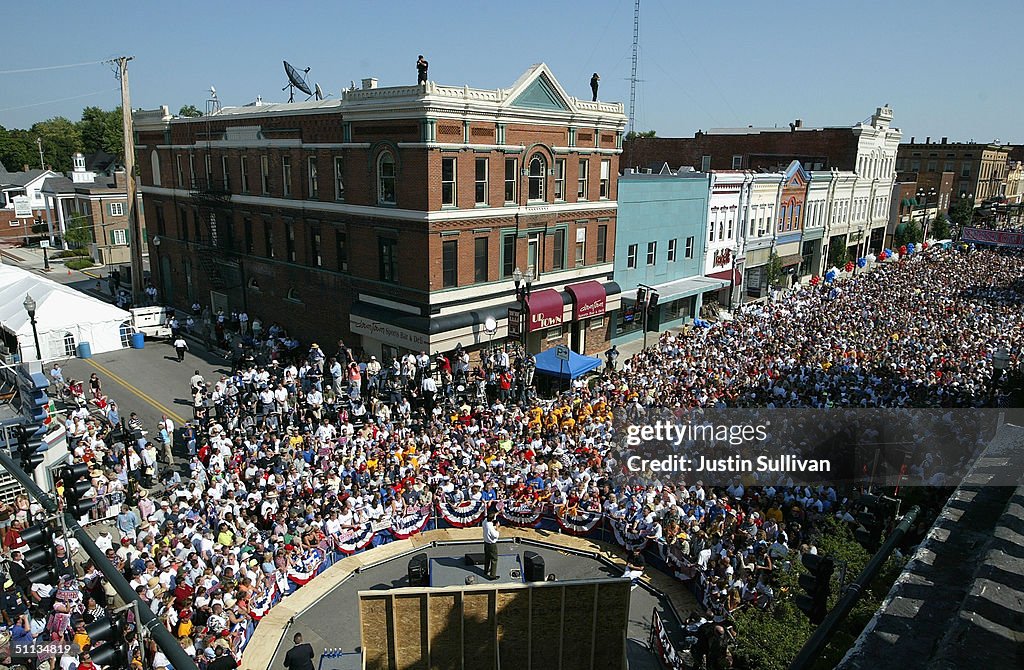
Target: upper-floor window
481	182
448	183
688	251
631	256
672	250
602	243
581	180
386	179
225	173
388	253
286	176
449	263
339	178
559	179
314	182
510	180
244	165
537	176
265	173
652	253
606	169
117	209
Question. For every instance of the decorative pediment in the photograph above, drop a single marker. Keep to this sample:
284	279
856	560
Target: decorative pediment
538	89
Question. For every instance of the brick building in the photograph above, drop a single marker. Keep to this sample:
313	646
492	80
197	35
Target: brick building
393	218
865	152
979	170
95	192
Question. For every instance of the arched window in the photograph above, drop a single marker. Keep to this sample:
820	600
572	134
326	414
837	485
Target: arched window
253	284
154	161
293	295
537	176
386	179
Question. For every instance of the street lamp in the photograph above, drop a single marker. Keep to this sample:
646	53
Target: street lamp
923	196
490	327
524	285
157	271
30	307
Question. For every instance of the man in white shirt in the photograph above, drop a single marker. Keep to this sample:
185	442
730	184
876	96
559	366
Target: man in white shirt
491	545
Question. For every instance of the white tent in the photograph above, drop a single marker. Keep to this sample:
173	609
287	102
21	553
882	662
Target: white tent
64	317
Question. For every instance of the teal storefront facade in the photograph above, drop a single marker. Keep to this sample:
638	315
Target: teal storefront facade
660	242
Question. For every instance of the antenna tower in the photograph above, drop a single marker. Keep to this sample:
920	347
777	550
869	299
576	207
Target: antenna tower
632	75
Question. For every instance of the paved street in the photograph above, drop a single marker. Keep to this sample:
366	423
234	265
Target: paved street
149	381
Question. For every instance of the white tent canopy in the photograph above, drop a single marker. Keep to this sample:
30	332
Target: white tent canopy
64	317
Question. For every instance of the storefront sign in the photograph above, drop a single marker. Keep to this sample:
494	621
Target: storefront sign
545	309
22	207
515	322
1003	238
590	299
387	333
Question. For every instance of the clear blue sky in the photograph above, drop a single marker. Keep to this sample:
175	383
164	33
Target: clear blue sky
948	68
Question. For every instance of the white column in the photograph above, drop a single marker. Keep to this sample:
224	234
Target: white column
62	223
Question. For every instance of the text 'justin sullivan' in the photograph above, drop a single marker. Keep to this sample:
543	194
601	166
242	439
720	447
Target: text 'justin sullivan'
784	463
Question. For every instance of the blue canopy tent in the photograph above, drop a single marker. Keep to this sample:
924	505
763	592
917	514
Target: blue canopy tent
577	365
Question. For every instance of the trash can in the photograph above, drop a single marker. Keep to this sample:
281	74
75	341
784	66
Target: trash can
84	350
138	340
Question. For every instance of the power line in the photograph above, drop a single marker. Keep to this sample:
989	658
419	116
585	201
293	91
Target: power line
50	67
50	102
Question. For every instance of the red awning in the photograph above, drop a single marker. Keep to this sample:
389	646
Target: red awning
545	308
589	298
728	275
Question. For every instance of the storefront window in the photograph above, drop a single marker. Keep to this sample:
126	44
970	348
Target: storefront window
755	281
629	318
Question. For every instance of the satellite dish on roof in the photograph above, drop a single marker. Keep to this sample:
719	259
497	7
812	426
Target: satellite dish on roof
296	80
318	93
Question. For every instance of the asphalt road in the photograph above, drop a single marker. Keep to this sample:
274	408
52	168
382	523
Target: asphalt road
149	381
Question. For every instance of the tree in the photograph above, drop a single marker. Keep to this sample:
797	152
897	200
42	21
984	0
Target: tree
17	150
838	255
61	138
773	270
632	135
190	111
907	233
962	211
102	130
79	231
939	229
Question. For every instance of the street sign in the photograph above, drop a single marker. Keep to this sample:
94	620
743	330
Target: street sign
44	244
515	323
562	352
22	207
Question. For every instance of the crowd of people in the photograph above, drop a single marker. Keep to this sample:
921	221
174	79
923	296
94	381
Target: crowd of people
299	453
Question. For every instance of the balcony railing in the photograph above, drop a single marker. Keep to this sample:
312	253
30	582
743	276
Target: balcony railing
210	190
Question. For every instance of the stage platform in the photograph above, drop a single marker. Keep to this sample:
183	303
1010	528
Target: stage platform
453	570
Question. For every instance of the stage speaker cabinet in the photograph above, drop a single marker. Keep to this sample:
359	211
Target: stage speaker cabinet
474	559
418	574
533	566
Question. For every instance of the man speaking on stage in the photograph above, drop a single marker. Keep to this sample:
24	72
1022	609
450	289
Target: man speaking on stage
491	545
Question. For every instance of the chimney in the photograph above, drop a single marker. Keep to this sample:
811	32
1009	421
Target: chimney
120	180
24	168
369	82
944	139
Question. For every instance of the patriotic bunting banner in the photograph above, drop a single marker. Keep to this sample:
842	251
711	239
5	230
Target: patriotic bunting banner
576	521
630	539
663	645
262	603
410	524
307	567
352	541
521	513
463	514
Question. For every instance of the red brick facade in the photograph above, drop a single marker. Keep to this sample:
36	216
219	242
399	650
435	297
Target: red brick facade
311	289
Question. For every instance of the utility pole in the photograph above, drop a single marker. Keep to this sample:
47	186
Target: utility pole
129	166
39	143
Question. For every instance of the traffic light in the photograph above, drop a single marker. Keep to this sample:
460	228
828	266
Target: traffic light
76	486
818	586
873	513
39	555
110	631
31	446
641	297
653	313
